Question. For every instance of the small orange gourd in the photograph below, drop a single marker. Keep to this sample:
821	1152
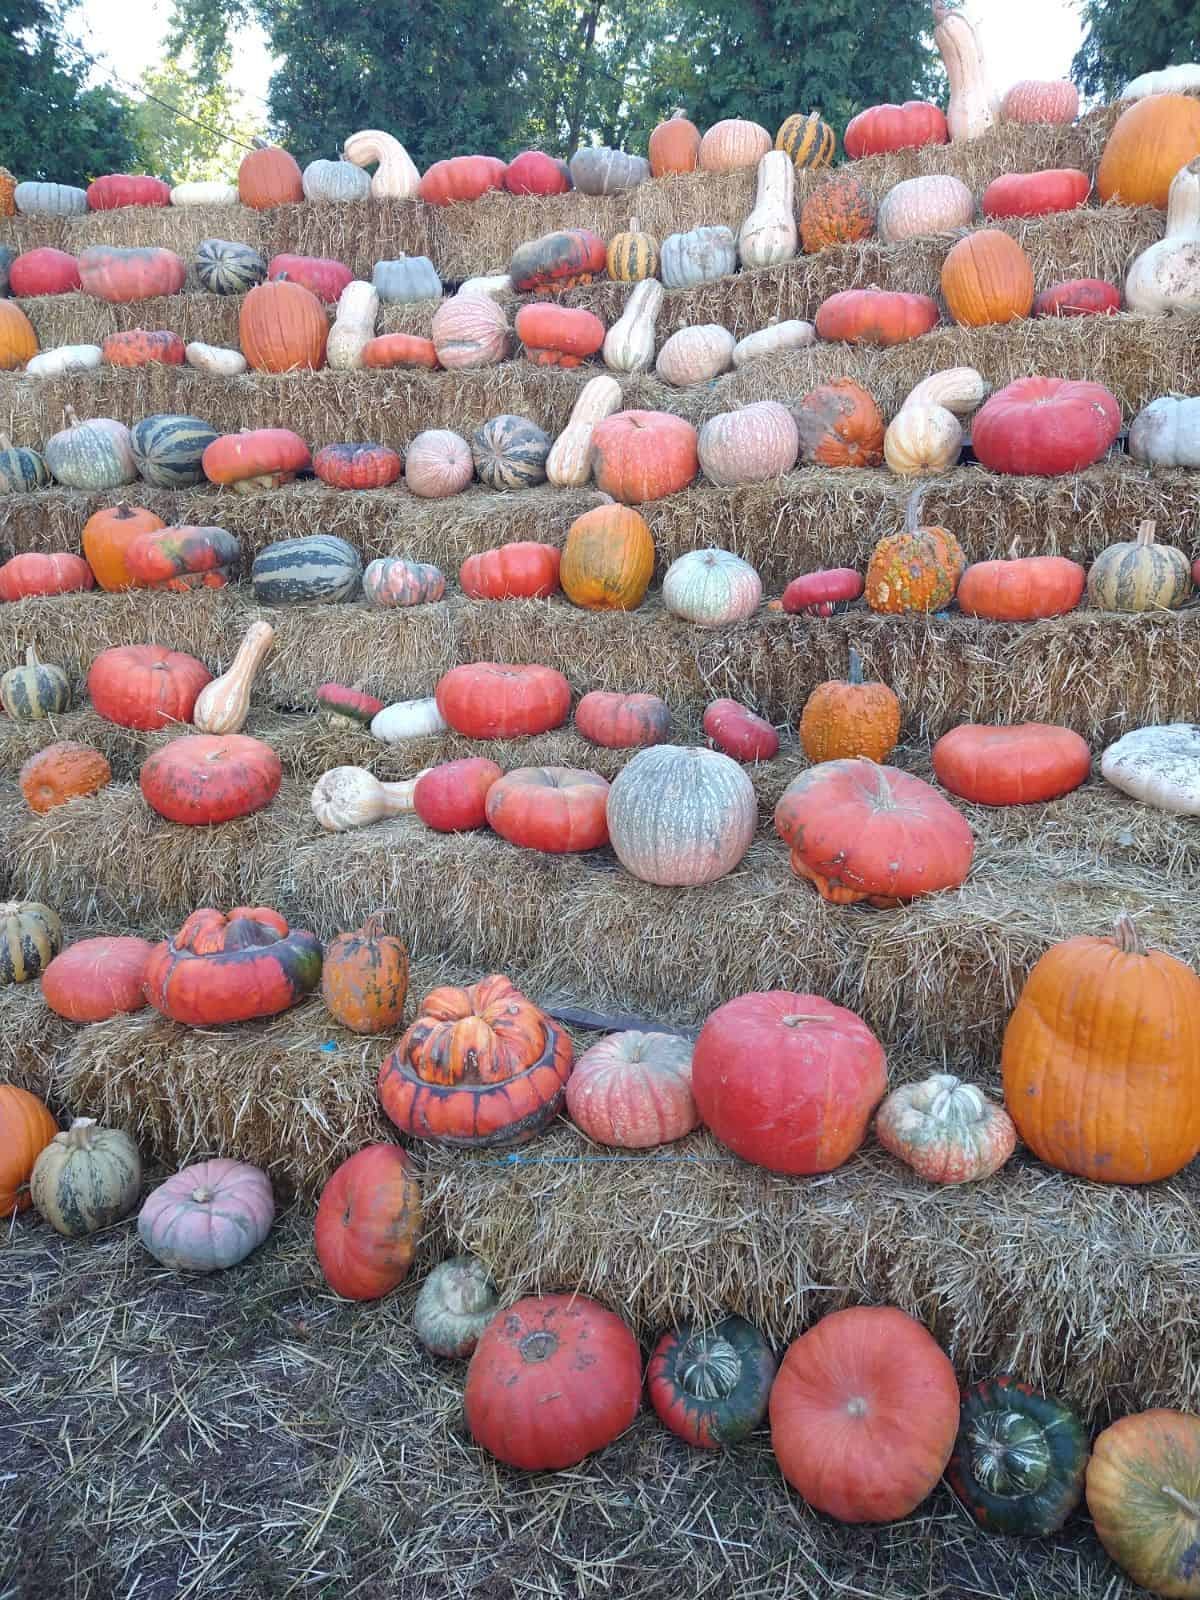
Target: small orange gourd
847	718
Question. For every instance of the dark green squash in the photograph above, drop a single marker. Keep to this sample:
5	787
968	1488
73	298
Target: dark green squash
318	569
711	1385
225	267
167	449
510	453
1019	1459
21	470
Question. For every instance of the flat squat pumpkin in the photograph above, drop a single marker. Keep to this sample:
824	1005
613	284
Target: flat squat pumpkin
711	1385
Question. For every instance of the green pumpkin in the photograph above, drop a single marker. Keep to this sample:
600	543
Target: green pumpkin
86	1179
510	453
96	454
30	937
225	267
35	690
711	1385
1019	1460
21	470
167	450
319	569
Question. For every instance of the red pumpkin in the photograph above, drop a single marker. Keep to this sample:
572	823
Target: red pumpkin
204	777
623	721
357	466
1011	766
561	260
739	732
487	700
34	574
461	178
522	570
142	347
119	189
400	350
859	831
881	129
124	275
452	798
823	594
552	1379
347	707
644	455
559	810
1078	297
1045	426
260	457
1034	194
320	275
1021	589
864	1414
368	1221
788	1081
875	316
145	685
558	336
534	173
232	968
97	979
184	558
44	271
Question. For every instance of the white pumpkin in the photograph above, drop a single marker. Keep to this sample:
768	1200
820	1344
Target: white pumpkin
758	442
918	206
681	815
204	194
696	355
1182	79
66	358
337	182
960	389
1159	766
395	178
353	327
629	343
922	438
407	719
974	108
496	287
769	236
351	797
214	359
1166	276
1166	433
777	338
711	588
569	464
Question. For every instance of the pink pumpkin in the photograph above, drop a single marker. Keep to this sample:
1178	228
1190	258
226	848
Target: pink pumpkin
208	1216
634	1090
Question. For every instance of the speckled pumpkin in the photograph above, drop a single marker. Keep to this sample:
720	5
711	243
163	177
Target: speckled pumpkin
840	211
845	719
916	570
364	978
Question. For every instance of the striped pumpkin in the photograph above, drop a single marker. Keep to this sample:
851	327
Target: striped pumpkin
225	267
394	581
50	200
96	454
321	569
1139	575
510	453
21	470
35	690
809	141
633	255
30	937
167	449
87	1178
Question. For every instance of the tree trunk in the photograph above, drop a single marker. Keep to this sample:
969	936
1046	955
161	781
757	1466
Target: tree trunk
587	29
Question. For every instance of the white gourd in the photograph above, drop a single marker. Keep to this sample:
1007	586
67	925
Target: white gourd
66	358
775	339
922	438
396	178
919	206
1166	276
496	287
1166	433
1159	766
695	355
215	359
353	327
223	705
1168	80
629	343
204	194
569	464
407	719
960	389
769	236
351	797
973	109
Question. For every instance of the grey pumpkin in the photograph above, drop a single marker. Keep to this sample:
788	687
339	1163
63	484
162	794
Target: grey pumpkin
7	256
510	453
49	200
698	256
405	279
339	181
600	170
96	454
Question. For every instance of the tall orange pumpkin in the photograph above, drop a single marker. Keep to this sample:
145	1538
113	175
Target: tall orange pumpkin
364	978
987	278
107	536
18	341
1099	1060
269	177
26	1128
607	560
1150	141
674	146
283	327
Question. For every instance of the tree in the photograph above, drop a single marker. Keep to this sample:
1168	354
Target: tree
186	130
52	126
1121	40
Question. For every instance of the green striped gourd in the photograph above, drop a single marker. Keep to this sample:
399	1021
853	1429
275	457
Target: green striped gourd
632	256
321	568
86	1179
1139	575
167	449
226	267
809	141
50	200
34	691
30	937
21	470
97	454
510	453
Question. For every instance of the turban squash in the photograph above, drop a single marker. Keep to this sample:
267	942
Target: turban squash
232	967
710	1385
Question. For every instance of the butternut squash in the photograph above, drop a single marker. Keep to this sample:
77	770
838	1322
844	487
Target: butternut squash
629	343
353	327
769	236
960	389
1166	276
223	705
569	464
396	178
973	109
351	797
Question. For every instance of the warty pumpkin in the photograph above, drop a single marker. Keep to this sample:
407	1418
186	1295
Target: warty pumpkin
364	978
947	1131
1140	575
916	570
62	772
26	1128
840	211
86	1179
987	278
843	720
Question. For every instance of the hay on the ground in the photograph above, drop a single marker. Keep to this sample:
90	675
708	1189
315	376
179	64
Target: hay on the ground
35	1040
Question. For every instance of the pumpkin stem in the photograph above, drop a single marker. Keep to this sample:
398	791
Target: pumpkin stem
634	225
31	659
373	925
912	511
5	442
1145	533
1181	1500
855	672
79	1134
1014	550
201	1196
71	415
1126	937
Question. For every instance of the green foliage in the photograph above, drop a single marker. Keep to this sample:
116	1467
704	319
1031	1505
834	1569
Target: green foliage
1122	39
197	144
52	126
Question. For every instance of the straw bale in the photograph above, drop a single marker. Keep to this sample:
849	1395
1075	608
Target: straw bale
35	1040
81	319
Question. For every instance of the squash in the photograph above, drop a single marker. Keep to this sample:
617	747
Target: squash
400	350
220	968
681	815
510	453
1159	766
919	206
758	442
973	109
632	255
26	1128
558	336
368	1221
561	260
958	389
214	359
34	691
346	707
629	343
768	236
394	581
700	256
947	1131
496	285
1019	1460
1168	80
1143	1493
61	772
66	358
457	1301
258	458
86	1179
569	463
353	327
364	978
357	466
922	438
710	1386
97	979
607	559
168	450
695	355
1166	433
1140	575
31	936
438	464
598	170
711	588
321	569
21	470
223	705
777	338
395	177
406	279
809	142
97	454
1007	766
634	1090
225	267
1040	101
1149	143
824	593
211	192
120	276
733	144
350	797
207	1217
338	182
846	719
1035	194
1166	276
408	719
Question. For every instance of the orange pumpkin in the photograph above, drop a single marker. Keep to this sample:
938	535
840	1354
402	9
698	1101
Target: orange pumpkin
26	1128
674	146
1021	589
987	278
269	177
364	980
876	316
1143	1493
607	559
845	719
368	1221
283	327
840	426
62	772
138	347
107	536
644	455
400	350
33	573
1150	141
916	570
558	336
1011	765
840	211
17	339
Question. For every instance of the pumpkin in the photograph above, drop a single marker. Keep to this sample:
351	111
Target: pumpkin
283	327
1019	1459
357	466
139	347
21	470
460	178
881	129
214	360
438	464
44	271
107	536
353	332
97	454
398	350
875	316
1078	297
701	255
86	1179
919	206
49	200
206	778
632	255
231	968
859	831
1166	433
987	278
321	569
35	574
62	772
393	581
839	426
845	720
30	937
168	450
269	177
345	707
748	446
1164	277
484	700
350	797
1139	575
223	705
480	1066
768	236
916	570
469	331
395	177
1124	1021
533	172
1148	144
973	109
320	275
807	140
737	732
452	797
922	439
634	1090
522	570
553	1379
623	721
1021	589
945	1130
510	453
695	355
732	145
1143	1493
629	343
1010	766
557	810
405	280
1035	100
8	188
561	260
207	1217
711	588
226	267
34	691
1045	427
364	978
864	1413
335	182
823	594
1035	194
184	558
407	719
569	464
599	170
681	815
457	1301
558	336
26	1129
1170	80
607	559
644	455
368	1222
710	1386
96	979
839	211
121	276
145	685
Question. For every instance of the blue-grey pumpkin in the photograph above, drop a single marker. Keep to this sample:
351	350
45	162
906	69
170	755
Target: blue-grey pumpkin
406	279
340	181
21	470
7	256
167	449
225	267
96	454
510	453
319	569
49	200
700	256
599	170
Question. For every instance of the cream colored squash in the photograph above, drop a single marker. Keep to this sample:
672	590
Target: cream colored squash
922	438
776	338
223	705
86	1179
66	358
351	797
215	359
918	206
696	355
396	178
711	588
629	343
1159	766
1166	433
204	194
960	389
1166	276
353	327
569	464
768	236
496	287
407	719
974	109
1168	80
